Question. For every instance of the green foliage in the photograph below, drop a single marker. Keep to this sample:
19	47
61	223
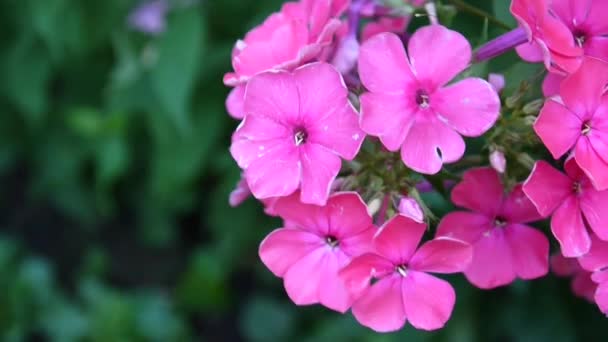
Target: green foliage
115	174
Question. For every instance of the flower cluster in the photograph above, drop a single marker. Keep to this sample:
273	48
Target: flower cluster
348	120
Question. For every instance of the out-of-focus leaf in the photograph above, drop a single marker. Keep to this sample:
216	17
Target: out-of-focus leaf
265	319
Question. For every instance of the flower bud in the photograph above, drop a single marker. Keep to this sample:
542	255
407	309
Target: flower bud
410	208
498	161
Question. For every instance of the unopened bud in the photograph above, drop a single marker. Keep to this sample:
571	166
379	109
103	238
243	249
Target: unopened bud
373	206
533	107
497	81
410	208
498	161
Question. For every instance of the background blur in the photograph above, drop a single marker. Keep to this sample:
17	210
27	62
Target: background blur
114	178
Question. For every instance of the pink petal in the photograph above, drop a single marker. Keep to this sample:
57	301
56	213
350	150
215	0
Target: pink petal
600	277
438	54
362	269
321	91
597	46
428	301
601	297
384	24
592	163
558	128
551	84
530	52
442	255
347	214
381	307
583	286
319	169
470	106
562	266
582	90
240	193
339	131
383	65
547	188
465	226
597	258
378	108
480	190
398	238
594	205
518	208
235	102
596	19
429	144
273	95
262	130
309	217
530	251
285	246
568	228
492	263
332	291
303	279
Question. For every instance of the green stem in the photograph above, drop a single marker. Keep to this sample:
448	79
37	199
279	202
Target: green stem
476	11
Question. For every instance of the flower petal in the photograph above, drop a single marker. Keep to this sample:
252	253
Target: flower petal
442	255
547	188
377	109
383	65
480	190
428	301
319	169
597	258
582	90
380	308
438	54
568	228
398	238
529	249
594	205
601	297
429	144
339	131
273	95
347	214
285	246
492	263
558	128
235	102
332	292
465	226
362	269
321	91
303	279
592	163
309	217
471	106
518	208
583	286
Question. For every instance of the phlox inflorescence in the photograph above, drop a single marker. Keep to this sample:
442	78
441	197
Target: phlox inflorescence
348	119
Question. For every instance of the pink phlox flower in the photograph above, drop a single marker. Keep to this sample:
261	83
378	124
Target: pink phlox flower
315	243
408	105
596	261
392	283
504	247
563	31
297	127
573	203
582	285
579	122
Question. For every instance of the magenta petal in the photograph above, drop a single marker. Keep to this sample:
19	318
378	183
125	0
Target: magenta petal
582	90
558	128
303	279
601	297
274	95
308	217
240	193
319	169
590	161
583	286
339	131
284	247
378	108
437	54
383	65
530	251
321	91
442	255
594	205
530	52
332	292
347	214
600	277
275	174
568	228
358	274
597	46
480	190
551	84
429	144
518	208
381	307
547	188
492	263
235	102
597	258
465	226
429	301
398	238
470	106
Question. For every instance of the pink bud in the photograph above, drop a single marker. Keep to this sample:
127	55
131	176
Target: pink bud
497	81
498	161
410	208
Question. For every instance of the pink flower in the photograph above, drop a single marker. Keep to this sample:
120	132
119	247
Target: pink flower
402	289
596	261
573	201
316	243
426	119
385	24
579	122
566	29
582	285
286	40
297	127
504	247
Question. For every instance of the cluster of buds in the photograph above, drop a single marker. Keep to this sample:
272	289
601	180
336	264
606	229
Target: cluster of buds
348	119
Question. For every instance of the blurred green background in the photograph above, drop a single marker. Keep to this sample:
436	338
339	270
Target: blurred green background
114	178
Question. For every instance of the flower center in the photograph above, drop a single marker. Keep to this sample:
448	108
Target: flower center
586	128
500	222
580	38
300	136
402	270
331	241
422	99
577	188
